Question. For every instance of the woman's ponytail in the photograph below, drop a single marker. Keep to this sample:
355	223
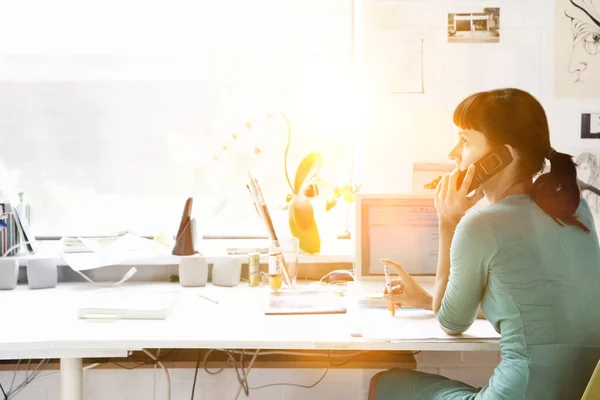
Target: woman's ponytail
557	192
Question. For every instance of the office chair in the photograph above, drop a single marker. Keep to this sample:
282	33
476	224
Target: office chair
592	391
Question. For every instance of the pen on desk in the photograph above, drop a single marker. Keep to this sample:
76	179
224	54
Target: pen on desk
388	287
207	298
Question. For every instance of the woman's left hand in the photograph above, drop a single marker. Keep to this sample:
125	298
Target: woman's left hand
452	203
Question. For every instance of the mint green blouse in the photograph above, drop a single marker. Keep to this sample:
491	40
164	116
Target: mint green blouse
538	283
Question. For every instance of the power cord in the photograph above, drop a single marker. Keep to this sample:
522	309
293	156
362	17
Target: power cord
28	378
154	374
167	375
295	384
196	374
352	358
3	392
243	377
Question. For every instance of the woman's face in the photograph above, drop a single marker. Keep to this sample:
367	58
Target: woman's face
471	146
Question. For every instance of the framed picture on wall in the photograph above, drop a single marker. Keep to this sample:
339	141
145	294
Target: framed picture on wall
478	25
590	126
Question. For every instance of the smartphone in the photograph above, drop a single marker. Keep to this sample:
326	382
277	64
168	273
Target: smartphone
487	166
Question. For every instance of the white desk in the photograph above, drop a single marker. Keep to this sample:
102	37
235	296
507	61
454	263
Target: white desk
44	324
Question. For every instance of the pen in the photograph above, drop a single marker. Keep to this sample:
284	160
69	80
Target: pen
207	298
388	284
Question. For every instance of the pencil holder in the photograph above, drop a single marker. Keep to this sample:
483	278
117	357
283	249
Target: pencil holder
193	271
227	271
9	273
41	273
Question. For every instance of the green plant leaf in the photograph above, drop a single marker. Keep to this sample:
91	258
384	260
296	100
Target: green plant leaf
307	169
303	212
308	239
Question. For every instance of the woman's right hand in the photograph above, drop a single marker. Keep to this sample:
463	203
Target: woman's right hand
406	291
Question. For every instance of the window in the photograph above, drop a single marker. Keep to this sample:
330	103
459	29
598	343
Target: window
112	113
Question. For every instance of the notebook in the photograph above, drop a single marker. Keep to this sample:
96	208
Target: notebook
304	302
127	303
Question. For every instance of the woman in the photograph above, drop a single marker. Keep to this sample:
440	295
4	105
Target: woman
530	259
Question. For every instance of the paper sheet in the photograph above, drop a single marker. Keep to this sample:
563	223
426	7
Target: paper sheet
126	248
415	324
304	302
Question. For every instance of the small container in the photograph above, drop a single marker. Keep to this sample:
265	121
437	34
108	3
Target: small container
9	273
275	279
254	269
193	271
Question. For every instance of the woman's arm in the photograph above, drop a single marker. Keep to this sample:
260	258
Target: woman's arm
442	274
473	248
443	267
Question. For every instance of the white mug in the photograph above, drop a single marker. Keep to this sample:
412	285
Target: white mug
42	273
227	271
9	273
193	271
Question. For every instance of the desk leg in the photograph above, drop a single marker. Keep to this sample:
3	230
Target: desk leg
71	379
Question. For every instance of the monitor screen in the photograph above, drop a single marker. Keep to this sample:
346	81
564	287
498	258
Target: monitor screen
404	229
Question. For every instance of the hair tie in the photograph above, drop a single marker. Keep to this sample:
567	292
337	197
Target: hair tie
551	152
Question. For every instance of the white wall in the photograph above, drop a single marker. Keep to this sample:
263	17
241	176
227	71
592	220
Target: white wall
419	128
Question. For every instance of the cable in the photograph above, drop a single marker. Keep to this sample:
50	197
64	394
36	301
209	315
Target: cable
293	384
298	353
28	378
58	372
196	374
245	374
352	358
118	364
160	364
154	385
243	377
231	358
14	376
3	392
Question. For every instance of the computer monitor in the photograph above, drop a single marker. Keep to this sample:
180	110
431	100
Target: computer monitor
400	227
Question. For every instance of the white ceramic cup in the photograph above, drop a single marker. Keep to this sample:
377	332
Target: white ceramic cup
42	273
193	271
227	271
9	273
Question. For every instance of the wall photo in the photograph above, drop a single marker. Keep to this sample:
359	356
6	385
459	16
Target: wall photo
590	126
480	25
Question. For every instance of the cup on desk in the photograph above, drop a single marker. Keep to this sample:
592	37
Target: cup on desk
193	271
9	273
289	249
227	271
42	273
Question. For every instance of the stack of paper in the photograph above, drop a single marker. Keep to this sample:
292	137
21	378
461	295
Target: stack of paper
128	303
415	324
